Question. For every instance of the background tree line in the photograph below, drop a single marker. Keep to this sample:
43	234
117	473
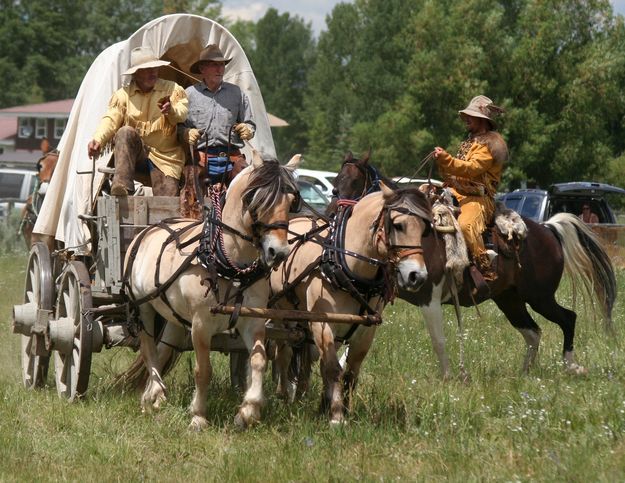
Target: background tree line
386	74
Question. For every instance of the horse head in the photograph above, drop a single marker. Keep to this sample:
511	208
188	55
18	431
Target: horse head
261	198
403	221
46	165
356	177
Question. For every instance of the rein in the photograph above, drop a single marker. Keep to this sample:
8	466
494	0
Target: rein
212	252
161	288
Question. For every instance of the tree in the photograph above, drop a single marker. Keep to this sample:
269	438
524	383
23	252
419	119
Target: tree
48	46
359	75
281	51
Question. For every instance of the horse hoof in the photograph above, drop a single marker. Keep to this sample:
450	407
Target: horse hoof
247	417
337	422
577	370
198	424
159	402
465	377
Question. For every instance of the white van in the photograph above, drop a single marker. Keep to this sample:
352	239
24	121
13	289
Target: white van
320	179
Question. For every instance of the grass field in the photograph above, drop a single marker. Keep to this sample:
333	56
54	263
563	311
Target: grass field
406	423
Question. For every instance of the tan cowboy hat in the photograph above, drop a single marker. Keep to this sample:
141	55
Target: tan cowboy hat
211	53
482	106
143	58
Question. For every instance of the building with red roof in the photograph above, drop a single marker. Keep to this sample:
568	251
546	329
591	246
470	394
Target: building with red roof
24	129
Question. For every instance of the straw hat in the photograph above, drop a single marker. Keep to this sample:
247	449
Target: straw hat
211	53
143	58
482	106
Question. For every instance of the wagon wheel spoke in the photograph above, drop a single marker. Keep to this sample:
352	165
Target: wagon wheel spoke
38	290
72	360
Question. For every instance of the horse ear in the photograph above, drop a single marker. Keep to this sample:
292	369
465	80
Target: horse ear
45	145
257	161
348	157
366	156
294	161
386	191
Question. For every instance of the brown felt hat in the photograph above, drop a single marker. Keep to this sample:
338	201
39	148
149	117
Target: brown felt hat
212	53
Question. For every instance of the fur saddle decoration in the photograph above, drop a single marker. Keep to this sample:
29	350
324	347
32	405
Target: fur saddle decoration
445	221
509	223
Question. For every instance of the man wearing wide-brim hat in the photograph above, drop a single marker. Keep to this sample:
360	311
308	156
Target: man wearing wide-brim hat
220	117
474	175
141	124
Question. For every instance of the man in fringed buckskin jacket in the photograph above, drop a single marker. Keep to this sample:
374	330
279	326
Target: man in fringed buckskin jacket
141	124
474	174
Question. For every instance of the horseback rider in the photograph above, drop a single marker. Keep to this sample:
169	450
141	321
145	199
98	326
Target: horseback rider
141	122
220	117
474	174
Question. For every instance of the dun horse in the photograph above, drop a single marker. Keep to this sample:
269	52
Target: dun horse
349	272
165	277
530	277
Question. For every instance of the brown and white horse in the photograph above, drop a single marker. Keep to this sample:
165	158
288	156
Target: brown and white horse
381	241
529	277
254	223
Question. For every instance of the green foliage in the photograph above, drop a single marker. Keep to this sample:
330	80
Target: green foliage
281	50
11	241
48	46
556	68
205	8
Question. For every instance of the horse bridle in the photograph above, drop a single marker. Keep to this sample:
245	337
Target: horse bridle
383	227
260	227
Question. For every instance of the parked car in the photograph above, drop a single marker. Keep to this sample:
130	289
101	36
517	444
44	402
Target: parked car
312	195
321	179
16	185
540	205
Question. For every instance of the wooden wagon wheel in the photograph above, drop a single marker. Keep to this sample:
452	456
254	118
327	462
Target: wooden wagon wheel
38	290
73	343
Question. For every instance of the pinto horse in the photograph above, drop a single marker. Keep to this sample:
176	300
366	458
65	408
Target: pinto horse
563	243
382	235
45	169
253	227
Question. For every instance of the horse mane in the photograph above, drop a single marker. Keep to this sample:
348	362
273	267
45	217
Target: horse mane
266	185
413	200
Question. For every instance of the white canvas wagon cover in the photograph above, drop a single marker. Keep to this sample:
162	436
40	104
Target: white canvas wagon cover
178	38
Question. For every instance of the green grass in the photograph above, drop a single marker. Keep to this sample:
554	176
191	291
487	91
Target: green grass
406	423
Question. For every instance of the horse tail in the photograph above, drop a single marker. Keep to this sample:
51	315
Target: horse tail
586	260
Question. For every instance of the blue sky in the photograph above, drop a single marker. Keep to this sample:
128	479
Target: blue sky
313	11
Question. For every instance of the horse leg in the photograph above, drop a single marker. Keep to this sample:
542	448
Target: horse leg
283	361
154	394
309	353
565	318
249	411
358	350
433	315
515	310
203	372
332	396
